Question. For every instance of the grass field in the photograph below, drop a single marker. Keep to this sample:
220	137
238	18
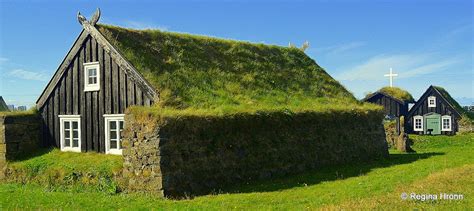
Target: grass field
441	165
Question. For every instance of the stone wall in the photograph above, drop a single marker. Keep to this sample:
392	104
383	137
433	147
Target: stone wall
19	135
465	125
192	155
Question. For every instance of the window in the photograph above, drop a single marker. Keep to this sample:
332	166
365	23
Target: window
113	131
70	126
432	101
446	123
418	123
92	76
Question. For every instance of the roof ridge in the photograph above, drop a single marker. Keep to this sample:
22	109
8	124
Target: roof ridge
199	36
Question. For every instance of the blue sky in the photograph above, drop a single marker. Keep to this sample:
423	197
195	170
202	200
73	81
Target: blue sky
425	42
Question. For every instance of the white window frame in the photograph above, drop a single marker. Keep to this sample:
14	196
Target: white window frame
70	118
91	87
431	105
107	119
414	123
446	117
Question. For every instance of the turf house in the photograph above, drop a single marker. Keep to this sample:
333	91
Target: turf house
394	100
191	113
436	112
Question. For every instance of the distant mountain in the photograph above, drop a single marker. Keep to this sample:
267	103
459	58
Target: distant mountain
465	101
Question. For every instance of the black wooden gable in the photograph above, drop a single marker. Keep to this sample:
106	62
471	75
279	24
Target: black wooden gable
443	105
392	106
121	86
89	31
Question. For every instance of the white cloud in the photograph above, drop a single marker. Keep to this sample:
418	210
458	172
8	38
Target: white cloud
406	65
336	49
28	75
3	60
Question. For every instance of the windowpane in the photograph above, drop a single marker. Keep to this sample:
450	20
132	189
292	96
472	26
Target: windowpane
75	143
446	123
113	134
120	125
113	144
92	72
92	80
70	136
113	125
120	144
418	124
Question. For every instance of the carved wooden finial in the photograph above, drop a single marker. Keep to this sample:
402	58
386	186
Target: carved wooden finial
95	17
82	20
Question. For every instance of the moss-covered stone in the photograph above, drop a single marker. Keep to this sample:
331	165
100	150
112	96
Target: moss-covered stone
19	134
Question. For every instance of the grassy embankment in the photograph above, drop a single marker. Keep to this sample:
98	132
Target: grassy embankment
441	164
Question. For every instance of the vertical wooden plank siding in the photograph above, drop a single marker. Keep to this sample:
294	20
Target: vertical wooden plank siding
93	122
138	94
89	99
115	88
131	93
108	81
56	118
122	91
101	140
50	122
46	132
63	95
82	95
75	86
391	106
43	126
117	92
69	89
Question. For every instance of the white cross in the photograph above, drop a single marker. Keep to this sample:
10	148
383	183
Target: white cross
391	75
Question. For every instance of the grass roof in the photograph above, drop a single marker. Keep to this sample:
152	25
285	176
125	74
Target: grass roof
453	102
192	71
397	93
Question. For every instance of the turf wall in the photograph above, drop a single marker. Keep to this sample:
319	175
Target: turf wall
190	155
19	135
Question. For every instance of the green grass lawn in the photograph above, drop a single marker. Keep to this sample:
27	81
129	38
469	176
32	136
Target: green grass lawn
55	170
441	164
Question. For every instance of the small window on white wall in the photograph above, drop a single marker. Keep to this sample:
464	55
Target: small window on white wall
432	101
70	126
446	123
91	76
113	133
418	123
